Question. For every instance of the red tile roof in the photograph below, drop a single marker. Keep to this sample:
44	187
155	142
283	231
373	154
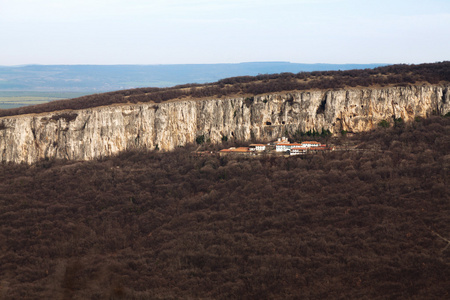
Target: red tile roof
240	149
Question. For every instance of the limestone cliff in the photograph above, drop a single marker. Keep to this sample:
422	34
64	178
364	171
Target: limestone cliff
102	131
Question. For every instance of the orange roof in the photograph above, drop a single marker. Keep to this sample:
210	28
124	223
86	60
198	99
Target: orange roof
240	149
257	145
280	144
225	150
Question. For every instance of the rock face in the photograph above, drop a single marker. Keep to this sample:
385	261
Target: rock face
103	131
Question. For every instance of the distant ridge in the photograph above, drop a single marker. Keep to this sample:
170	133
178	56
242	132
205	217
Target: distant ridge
103	78
392	75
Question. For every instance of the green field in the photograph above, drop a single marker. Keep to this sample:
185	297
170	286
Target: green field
12	99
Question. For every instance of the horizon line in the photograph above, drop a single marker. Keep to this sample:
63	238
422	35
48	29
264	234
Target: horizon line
205	64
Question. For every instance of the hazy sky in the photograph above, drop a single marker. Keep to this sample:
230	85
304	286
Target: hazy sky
223	31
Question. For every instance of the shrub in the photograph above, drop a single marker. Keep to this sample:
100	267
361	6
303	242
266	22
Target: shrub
66	116
325	133
249	101
200	139
384	124
398	120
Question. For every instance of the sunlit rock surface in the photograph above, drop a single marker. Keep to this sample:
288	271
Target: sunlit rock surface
103	131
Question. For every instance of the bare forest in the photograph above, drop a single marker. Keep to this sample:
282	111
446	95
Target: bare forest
372	223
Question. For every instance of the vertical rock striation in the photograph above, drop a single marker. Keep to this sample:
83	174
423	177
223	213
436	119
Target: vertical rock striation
102	131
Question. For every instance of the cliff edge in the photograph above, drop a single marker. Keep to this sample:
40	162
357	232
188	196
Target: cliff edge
102	131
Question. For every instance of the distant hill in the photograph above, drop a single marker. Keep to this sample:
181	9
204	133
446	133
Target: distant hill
102	78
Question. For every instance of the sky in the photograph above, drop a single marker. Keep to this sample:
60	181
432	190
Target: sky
223	31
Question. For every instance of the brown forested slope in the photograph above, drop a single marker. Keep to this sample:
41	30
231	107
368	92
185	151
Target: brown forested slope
369	224
397	75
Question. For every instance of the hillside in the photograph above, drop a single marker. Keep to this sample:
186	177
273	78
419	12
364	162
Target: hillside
150	225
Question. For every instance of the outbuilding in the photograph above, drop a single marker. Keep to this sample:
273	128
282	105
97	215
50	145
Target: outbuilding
311	144
257	147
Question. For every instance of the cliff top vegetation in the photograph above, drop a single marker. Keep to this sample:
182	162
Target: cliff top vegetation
150	225
397	75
